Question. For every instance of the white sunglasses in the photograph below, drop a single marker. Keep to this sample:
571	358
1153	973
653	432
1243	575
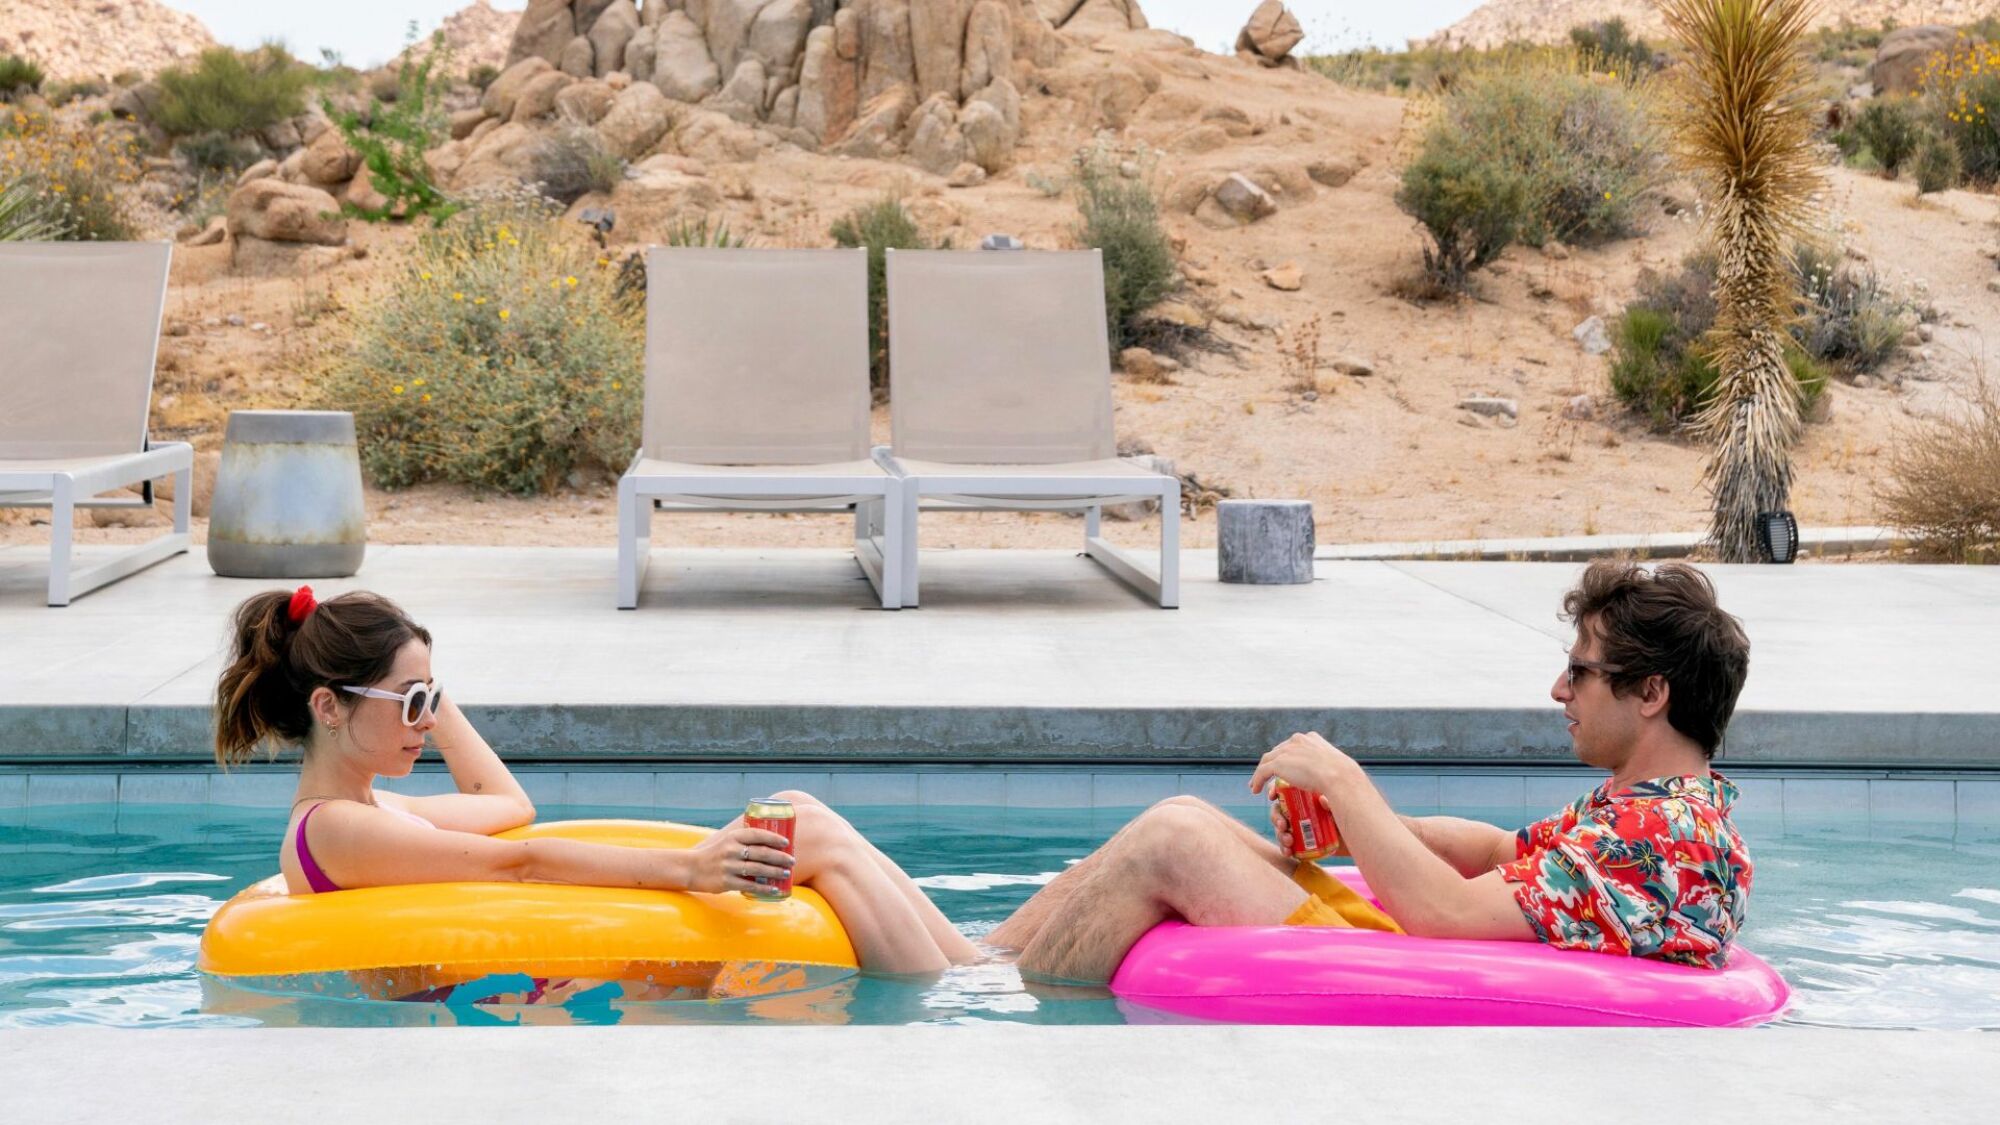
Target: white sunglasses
419	703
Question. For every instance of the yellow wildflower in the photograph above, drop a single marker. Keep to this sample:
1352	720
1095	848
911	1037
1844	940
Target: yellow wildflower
504	314
458	296
397	389
570	281
416	382
616	385
427	398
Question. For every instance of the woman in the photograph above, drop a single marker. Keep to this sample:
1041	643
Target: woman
349	681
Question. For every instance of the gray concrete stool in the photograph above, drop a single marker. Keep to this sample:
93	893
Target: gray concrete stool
1264	542
288	497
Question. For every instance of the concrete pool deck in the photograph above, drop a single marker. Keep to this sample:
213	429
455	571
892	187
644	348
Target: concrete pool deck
996	1073
742	656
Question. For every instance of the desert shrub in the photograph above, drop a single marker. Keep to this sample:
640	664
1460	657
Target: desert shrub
1660	367
74	177
1938	167
232	92
18	76
1943	484
1849	317
880	227
1962	87
499	358
482	76
1120	217
704	231
1470	208
1532	149
1892	130
1614	45
62	93
571	162
392	139
219	152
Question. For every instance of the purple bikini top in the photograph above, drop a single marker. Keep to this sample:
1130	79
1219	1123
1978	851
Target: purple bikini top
315	878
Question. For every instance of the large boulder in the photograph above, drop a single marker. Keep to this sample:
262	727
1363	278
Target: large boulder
742	97
578	58
586	102
276	211
829	87
1270	34
502	92
545	29
936	142
501	157
878	126
639	117
610	33
1899	61
778	34
937	45
682	67
328	160
538	97
991	122
1094	19
886	55
989	47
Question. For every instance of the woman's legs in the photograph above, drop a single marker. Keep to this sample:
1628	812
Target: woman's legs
954	945
895	928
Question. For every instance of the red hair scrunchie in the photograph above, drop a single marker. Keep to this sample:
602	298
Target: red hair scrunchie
302	604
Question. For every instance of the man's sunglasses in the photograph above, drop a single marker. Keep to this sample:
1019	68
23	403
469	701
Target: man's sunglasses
419	703
1580	668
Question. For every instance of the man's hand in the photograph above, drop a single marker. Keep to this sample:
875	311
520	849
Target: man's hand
1309	762
1281	827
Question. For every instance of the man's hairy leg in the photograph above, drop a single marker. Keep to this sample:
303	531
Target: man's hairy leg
1176	861
1022	926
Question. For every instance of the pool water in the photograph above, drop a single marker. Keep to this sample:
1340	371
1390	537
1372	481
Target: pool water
102	906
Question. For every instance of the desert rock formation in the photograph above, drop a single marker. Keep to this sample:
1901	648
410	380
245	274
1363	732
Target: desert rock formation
939	81
99	38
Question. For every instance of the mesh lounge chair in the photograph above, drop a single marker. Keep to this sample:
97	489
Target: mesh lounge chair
1000	393
79	328
757	400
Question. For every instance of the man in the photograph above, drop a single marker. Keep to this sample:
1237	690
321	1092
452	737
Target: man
1646	865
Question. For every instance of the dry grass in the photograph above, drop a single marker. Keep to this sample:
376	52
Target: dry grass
1298	356
1943	487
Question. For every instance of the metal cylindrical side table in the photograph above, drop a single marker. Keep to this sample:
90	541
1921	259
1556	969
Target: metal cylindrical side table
288	497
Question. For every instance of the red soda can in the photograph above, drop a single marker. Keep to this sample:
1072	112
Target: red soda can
1314	835
772	814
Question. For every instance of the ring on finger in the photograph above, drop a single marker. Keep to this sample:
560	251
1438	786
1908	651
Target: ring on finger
746	853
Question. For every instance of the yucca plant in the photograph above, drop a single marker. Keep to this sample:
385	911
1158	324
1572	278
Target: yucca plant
23	215
1744	131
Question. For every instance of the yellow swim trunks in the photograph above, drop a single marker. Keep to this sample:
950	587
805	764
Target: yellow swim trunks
1330	902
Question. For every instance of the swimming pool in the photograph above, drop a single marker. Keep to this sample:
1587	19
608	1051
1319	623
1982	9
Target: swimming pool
102	906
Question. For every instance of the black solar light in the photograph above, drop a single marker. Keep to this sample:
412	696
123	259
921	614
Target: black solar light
1000	242
1779	533
602	219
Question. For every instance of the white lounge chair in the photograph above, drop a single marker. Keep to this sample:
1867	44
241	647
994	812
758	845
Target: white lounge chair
79	331
757	399
1000	399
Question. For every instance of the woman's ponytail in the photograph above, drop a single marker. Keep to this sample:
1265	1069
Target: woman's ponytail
283	647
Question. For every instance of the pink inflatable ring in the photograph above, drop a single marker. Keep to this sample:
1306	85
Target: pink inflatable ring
1315	975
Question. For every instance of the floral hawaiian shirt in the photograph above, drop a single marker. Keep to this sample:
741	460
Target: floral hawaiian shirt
1652	870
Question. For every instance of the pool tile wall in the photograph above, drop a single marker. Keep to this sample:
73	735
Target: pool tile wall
1941	808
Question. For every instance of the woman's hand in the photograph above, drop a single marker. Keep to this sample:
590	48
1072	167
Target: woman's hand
734	858
1307	761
